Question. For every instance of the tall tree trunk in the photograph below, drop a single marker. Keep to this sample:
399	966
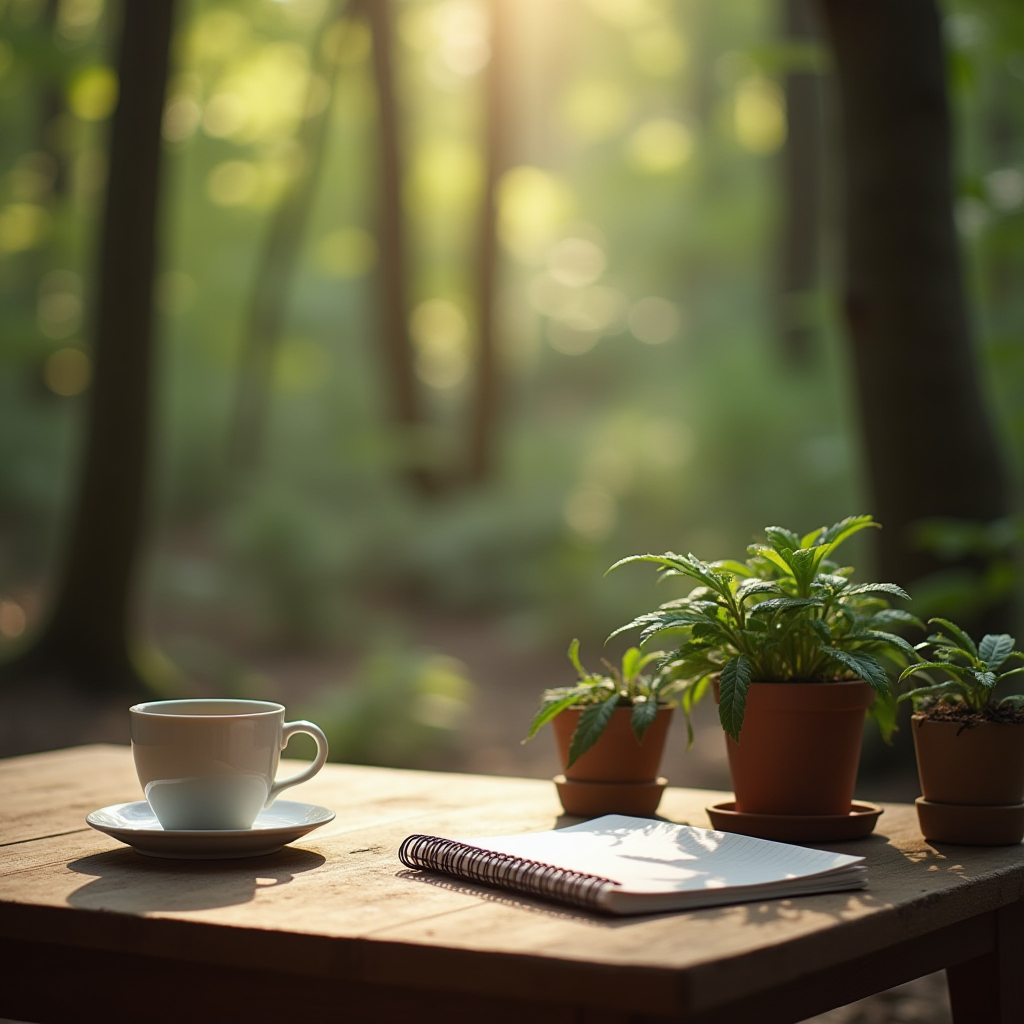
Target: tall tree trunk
931	449
484	412
87	640
403	395
801	182
278	259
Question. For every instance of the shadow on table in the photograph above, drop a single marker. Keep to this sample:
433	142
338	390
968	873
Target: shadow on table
126	882
759	912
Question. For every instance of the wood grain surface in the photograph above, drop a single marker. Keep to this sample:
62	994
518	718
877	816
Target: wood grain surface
338	907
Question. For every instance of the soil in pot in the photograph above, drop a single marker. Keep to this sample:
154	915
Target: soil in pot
618	775
799	747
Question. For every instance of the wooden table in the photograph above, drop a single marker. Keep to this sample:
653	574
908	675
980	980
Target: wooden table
334	926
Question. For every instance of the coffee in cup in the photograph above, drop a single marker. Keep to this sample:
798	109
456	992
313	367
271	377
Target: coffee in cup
212	764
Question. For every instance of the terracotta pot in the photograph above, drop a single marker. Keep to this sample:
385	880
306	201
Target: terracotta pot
618	774
973	781
799	747
982	764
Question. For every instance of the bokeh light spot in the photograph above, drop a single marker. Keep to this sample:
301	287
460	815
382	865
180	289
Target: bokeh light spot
759	115
440	333
654	320
532	205
350	252
92	94
591	512
67	372
595	109
660	146
576	262
12	619
23	226
232	183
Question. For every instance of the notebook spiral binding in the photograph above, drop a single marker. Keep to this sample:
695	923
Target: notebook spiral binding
503	871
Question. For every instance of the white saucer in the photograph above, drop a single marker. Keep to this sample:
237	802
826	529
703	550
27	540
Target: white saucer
282	822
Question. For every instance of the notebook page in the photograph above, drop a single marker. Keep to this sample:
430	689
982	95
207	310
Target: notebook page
646	856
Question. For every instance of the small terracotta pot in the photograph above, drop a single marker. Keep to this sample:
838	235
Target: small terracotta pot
972	779
799	747
618	774
982	764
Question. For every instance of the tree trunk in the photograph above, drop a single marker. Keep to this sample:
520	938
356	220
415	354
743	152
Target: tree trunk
931	450
405	409
87	638
484	412
269	304
801	186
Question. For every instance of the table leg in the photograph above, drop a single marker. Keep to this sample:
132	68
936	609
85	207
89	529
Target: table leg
990	988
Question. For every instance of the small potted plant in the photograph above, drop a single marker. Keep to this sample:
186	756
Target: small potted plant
610	730
970	746
789	644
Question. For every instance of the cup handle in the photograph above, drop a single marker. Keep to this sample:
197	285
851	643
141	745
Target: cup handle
288	730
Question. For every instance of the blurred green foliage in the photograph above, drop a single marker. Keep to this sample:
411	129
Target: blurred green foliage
645	403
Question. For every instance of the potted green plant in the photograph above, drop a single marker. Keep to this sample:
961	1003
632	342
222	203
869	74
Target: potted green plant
791	646
610	730
970	746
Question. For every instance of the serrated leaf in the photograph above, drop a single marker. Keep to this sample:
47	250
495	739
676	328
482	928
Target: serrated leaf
936	690
927	666
896	615
965	642
550	709
753	586
733	686
821	627
774	604
863	665
592	723
994	649
773	556
878	636
780	538
983	678
876	588
642	717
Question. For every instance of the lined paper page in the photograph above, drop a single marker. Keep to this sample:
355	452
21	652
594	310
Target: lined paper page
646	856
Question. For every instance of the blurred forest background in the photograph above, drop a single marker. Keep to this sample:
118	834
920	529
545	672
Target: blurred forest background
455	303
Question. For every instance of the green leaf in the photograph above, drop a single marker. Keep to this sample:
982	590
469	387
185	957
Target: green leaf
984	678
750	587
1015	701
774	604
965	642
731	565
938	690
877	588
592	723
773	556
733	686
863	665
820	626
895	615
631	663
878	636
928	666
550	709
643	715
884	713
782	538
574	657
995	648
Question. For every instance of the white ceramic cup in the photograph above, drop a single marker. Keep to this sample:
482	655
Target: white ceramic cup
211	764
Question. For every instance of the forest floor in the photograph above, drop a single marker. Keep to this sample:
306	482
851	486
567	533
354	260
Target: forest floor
507	680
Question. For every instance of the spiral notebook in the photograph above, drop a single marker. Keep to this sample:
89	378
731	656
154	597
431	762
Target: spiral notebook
622	865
